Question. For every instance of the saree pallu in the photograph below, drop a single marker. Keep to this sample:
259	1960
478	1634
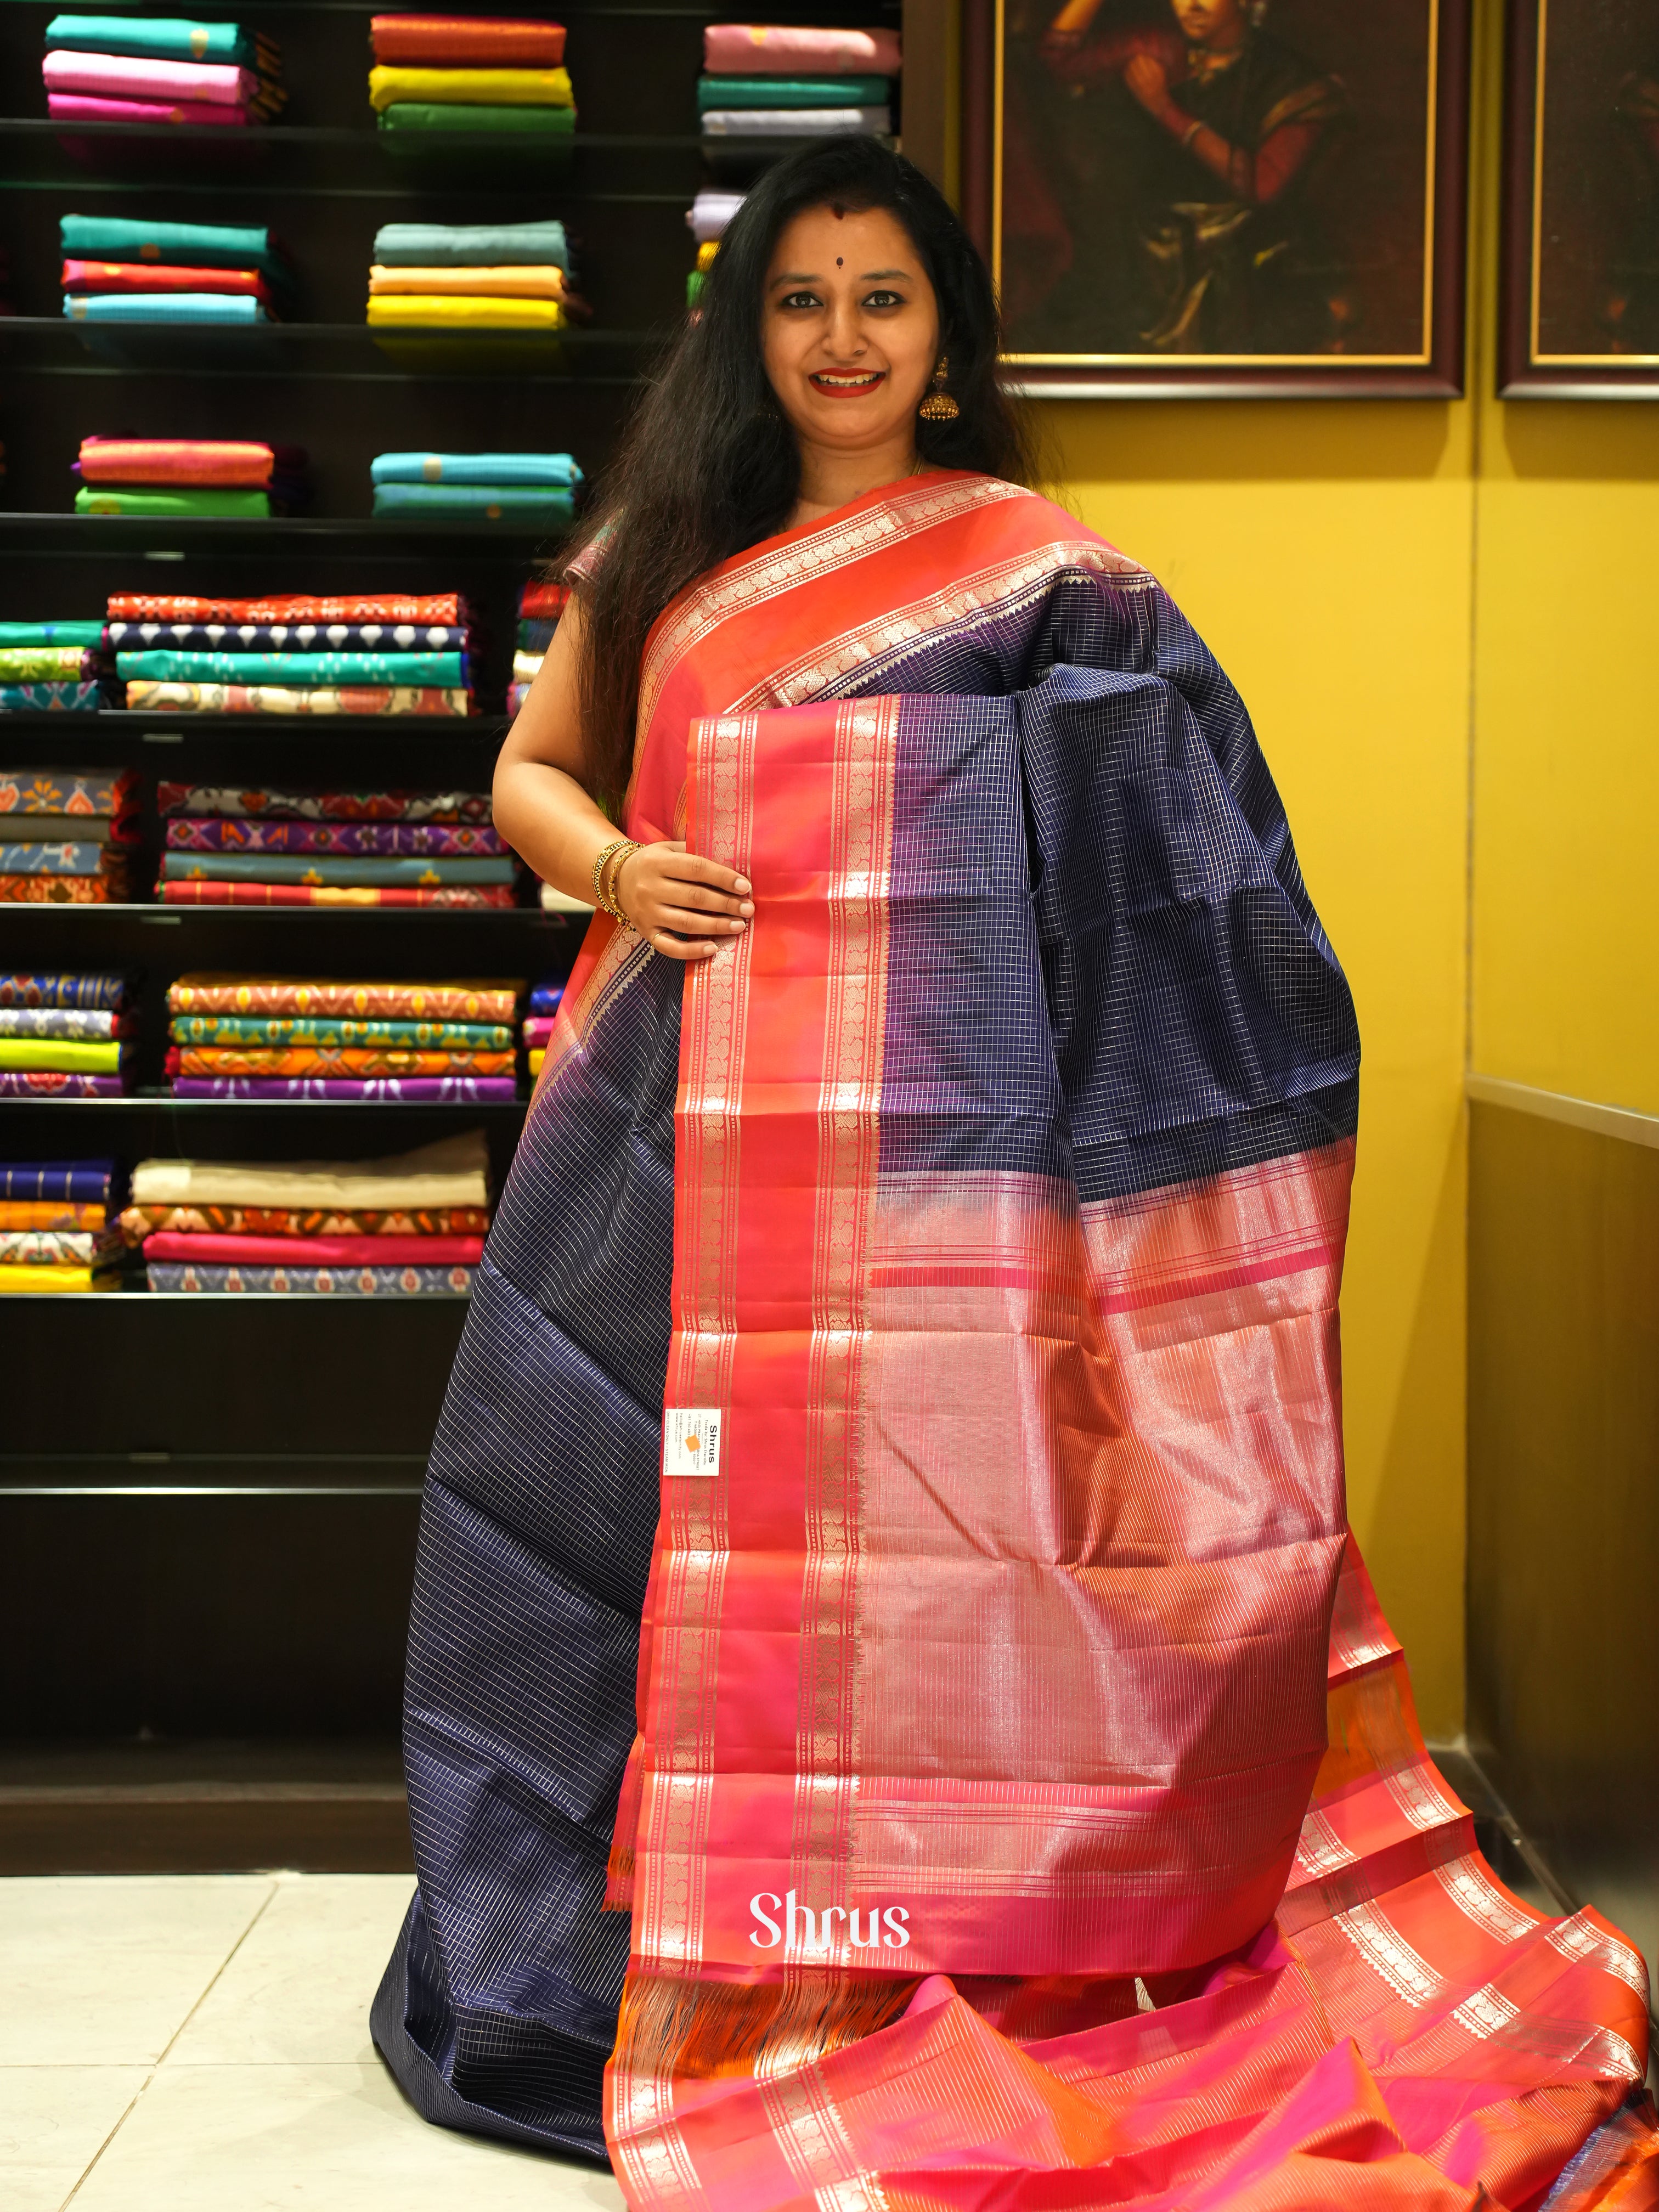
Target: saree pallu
289	637
142	606
221	894
503	40
394	840
272	804
302	1281
138	1222
1002	1664
55	1214
320	998
374	1089
101	792
469	87
322	1060
313	1029
58	990
318	1251
50	698
150	696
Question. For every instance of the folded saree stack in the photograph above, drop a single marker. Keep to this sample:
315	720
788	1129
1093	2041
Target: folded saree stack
706	219
51	667
501	277
160	68
240	479
540	1013
63	1035
493	487
228	847
438	75
369	653
540	606
775	81
124	268
66	839
411	1226
56	1233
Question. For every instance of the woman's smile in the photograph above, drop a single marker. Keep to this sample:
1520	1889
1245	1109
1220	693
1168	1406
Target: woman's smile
845	383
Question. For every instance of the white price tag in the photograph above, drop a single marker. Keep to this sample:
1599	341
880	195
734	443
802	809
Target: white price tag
691	1440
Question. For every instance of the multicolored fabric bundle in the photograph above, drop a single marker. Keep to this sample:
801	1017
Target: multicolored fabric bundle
540	1014
472	276
56	1233
373	654
131	69
436	75
51	667
259	1037
706	219
540	606
121	269
773	81
523	487
67	836
411	1226
233	847
237	477
63	1036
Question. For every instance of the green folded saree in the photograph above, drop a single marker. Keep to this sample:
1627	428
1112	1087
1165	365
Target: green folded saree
249	506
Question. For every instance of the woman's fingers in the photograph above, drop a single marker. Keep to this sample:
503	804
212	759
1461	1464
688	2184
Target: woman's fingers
703	897
681	948
695	868
689	922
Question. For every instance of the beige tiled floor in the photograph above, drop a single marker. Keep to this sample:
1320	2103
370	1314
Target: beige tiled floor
191	2043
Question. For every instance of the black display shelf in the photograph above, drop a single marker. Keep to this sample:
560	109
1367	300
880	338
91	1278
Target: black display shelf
373	536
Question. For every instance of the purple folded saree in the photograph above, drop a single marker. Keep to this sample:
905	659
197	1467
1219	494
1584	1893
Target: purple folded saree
377	1091
43	1083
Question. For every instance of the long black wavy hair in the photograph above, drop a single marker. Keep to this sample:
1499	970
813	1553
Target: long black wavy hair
709	463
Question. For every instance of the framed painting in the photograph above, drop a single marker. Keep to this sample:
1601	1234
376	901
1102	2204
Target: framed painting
1579	316
1211	198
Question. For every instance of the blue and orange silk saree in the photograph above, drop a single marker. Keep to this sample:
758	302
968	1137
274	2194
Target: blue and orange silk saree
896	1717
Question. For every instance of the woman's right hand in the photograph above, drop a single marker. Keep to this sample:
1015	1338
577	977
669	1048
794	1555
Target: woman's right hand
682	905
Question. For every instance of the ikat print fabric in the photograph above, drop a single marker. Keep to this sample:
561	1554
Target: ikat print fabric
59	1033
261	847
55	1230
340	1039
972	1709
67	836
407	1226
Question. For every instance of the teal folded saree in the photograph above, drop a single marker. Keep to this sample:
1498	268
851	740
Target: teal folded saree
447	671
793	91
534	502
472	245
162	307
488	470
51	633
156	37
315	868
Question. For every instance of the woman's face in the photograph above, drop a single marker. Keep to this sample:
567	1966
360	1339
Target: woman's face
850	328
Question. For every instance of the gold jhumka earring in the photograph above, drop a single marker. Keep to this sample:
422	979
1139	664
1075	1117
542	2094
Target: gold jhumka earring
939	406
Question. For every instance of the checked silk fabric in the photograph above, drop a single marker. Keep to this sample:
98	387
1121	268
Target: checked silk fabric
896	1716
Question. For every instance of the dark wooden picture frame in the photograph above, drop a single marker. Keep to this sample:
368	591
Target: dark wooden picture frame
1578	312
1431	369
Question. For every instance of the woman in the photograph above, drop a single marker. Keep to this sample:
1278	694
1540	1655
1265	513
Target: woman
955	1105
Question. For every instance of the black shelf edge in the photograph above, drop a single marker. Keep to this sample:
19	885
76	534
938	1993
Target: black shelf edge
124	533
283	333
261	136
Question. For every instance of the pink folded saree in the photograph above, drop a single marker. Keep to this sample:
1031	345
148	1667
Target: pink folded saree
183	461
87	107
314	1251
130	77
781	50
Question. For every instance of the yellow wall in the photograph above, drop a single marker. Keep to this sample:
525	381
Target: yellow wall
1323	549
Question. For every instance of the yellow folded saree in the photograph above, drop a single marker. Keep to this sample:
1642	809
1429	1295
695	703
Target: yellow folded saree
526	283
425	310
59	1055
475	88
31	1280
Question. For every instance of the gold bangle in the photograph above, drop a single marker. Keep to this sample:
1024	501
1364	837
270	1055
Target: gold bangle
603	855
621	853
